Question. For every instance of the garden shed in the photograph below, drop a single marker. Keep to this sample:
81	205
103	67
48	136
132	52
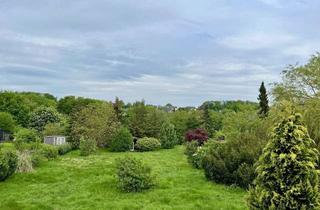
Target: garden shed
55	140
4	136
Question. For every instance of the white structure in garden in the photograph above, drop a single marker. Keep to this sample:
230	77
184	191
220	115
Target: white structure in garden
55	140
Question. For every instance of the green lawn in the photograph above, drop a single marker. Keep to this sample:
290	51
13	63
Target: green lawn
74	182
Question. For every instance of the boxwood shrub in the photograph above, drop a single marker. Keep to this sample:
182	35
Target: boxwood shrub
147	144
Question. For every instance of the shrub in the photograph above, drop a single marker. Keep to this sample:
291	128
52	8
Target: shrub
287	171
133	175
195	154
64	148
8	163
168	136
49	151
87	146
147	144
24	164
37	158
199	135
24	137
122	141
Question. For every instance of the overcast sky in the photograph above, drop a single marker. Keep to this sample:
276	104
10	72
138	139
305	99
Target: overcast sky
177	51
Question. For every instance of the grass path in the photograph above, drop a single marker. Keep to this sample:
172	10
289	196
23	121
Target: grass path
74	182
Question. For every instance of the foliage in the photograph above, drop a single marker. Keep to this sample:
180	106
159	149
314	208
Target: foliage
199	135
14	104
50	152
37	158
195	154
168	136
70	104
263	101
43	116
7	123
118	107
154	120
53	129
8	163
133	175
232	161
137	117
21	104
97	122
25	136
147	144
287	170
87	146
64	148
207	121
299	83
24	164
122	141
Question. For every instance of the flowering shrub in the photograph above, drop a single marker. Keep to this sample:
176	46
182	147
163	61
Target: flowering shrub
199	135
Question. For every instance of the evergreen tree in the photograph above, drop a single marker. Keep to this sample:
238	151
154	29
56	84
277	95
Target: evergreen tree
263	101
118	106
287	175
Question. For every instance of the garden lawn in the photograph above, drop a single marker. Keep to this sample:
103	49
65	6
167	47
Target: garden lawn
74	182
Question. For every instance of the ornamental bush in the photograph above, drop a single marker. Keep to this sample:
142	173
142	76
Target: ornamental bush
133	175
147	144
199	135
287	170
168	136
87	146
122	141
8	163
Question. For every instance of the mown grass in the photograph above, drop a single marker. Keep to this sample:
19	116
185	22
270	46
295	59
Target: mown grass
74	182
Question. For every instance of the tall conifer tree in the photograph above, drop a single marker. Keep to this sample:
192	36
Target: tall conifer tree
263	101
287	175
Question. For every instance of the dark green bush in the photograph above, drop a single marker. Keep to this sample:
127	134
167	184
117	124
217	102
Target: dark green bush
147	144
133	175
8	163
64	148
122	141
87	146
49	151
168	136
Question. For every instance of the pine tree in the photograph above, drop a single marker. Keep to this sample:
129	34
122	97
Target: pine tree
287	175
263	101
118	108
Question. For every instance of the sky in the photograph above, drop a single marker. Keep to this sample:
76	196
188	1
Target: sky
177	51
